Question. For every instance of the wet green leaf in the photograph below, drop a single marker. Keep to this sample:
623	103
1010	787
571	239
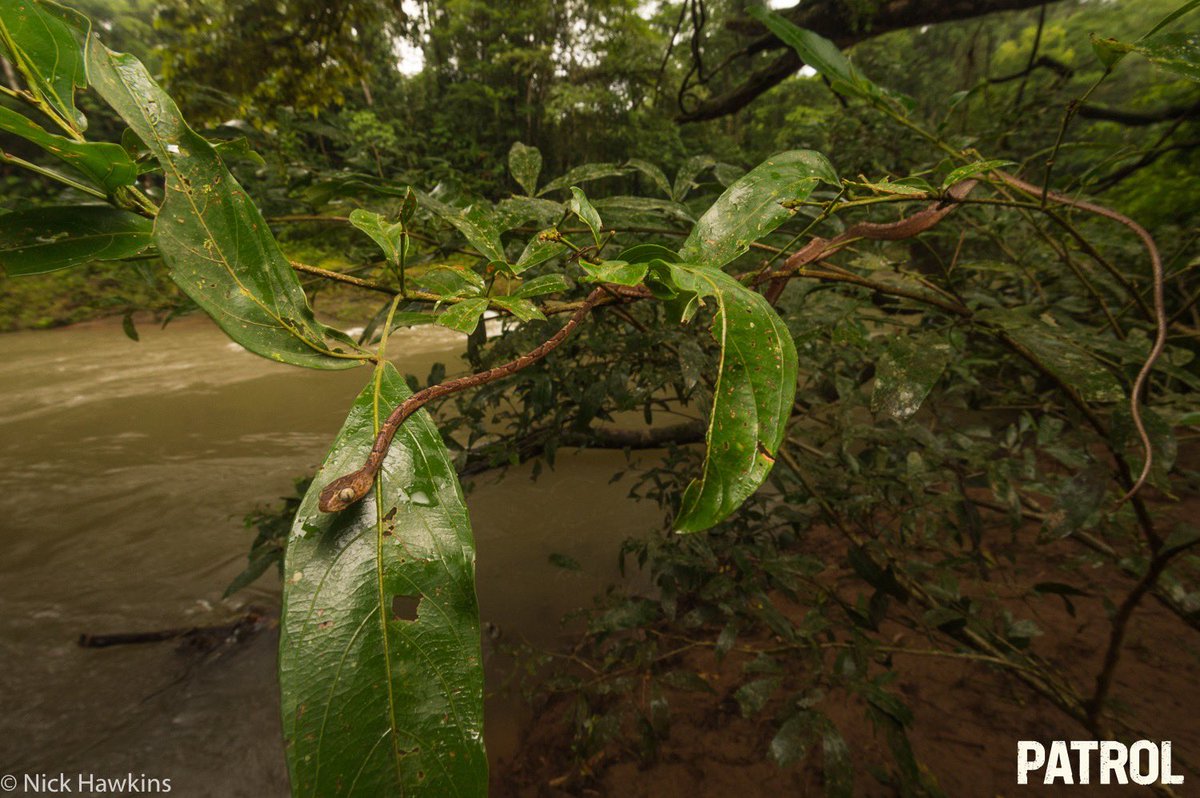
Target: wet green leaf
617	272
753	206
622	211
656	175
520	308
463	316
581	207
46	239
478	223
379	651
388	235
752	398
907	372
211	236
1177	52
552	283
539	250
451	281
525	164
970	170
584	174
45	42
106	165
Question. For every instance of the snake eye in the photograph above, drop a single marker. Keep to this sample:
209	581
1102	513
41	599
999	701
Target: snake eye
346	495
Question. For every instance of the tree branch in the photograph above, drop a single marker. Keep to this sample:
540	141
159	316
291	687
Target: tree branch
837	21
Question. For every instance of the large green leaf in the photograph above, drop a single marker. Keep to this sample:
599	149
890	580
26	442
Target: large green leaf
45	42
212	237
47	239
379	700
753	395
753	206
106	165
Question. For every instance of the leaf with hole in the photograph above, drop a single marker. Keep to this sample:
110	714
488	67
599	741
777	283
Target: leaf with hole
379	650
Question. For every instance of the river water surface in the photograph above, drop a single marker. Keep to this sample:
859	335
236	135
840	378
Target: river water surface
125	471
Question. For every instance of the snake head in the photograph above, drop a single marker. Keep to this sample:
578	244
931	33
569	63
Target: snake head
345	491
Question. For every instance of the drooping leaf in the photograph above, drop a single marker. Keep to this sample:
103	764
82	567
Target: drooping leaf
46	239
211	236
727	174
45	42
685	178
478	224
826	57
581	207
463	316
525	164
379	651
388	235
752	398
107	165
656	175
1063	356
907	372
753	206
584	174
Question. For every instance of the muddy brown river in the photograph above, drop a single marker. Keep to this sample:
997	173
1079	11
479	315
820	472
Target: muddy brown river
126	469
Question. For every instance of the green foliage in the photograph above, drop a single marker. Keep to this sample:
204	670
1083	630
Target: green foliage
47	239
893	394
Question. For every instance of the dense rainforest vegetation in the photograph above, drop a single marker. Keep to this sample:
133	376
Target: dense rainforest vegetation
901	299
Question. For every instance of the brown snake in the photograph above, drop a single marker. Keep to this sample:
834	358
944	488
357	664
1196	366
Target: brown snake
345	491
